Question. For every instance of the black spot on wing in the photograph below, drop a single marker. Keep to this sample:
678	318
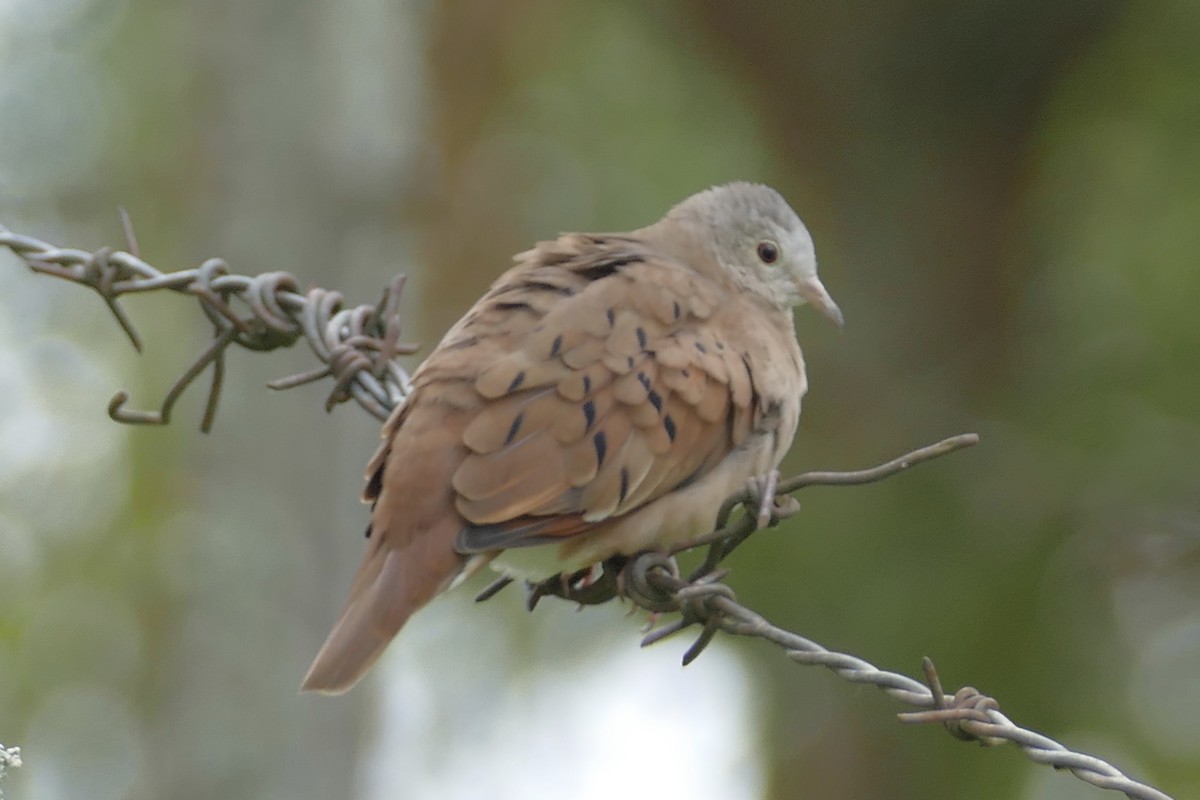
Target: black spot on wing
604	269
589	414
624	486
600	441
514	428
516	382
541	286
669	426
374	485
655	400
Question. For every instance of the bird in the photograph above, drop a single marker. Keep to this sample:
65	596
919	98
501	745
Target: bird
603	398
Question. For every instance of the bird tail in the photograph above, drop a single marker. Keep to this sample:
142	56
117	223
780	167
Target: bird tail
392	584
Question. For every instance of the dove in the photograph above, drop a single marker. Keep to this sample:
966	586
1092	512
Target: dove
604	397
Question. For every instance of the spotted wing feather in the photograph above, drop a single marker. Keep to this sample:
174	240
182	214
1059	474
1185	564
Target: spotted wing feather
618	393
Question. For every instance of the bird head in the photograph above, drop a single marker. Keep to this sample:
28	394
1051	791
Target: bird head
760	242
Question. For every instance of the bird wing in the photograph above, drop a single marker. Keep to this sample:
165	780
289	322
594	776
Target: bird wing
603	380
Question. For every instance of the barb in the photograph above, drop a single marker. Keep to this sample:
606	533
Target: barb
968	715
653	582
357	345
760	513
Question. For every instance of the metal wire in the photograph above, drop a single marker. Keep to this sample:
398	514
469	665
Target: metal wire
357	348
968	714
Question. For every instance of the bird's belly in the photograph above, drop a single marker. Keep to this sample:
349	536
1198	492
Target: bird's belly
676	517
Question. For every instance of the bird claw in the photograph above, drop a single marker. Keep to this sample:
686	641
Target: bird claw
592	586
586	578
770	507
784	507
651	620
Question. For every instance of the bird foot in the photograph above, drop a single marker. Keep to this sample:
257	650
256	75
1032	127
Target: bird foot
592	586
585	578
771	508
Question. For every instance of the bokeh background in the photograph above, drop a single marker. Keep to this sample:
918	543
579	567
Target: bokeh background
1005	196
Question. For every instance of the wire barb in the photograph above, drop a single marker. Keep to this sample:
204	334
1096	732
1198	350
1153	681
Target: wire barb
358	346
652	581
969	715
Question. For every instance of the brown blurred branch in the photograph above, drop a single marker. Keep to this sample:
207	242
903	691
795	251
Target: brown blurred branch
357	348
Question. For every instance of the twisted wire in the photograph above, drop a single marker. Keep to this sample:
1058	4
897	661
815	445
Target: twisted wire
653	582
968	715
358	347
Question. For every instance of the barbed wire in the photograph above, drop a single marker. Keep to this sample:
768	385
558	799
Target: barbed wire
358	348
653	582
968	715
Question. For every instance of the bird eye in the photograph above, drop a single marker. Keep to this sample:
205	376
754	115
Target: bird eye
768	252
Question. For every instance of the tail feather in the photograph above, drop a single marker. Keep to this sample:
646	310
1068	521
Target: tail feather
360	635
392	584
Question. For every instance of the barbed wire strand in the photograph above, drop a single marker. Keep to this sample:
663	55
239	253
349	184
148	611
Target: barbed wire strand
358	347
968	714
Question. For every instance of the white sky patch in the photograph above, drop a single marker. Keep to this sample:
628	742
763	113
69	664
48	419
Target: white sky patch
1164	695
62	474
460	719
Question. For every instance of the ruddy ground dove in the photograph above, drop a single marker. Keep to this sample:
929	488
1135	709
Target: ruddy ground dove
604	397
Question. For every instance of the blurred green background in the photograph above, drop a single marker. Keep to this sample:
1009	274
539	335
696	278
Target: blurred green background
1005	197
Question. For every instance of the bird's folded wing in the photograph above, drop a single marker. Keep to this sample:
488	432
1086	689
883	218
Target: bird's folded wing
602	381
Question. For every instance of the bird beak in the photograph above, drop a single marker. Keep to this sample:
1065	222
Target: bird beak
813	292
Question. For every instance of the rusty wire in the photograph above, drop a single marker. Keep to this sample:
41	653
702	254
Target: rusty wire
358	347
653	581
968	714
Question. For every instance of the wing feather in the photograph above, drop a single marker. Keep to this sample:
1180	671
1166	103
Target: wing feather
620	393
